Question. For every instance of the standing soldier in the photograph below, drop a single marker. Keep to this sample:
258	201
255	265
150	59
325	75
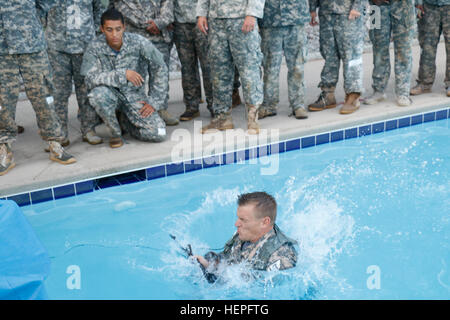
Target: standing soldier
397	18
341	38
23	52
153	20
283	29
435	20
192	46
233	40
71	26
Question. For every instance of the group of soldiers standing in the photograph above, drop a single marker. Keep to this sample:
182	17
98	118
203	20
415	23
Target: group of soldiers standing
51	44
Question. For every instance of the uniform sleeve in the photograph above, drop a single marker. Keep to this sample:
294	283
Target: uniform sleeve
202	8
158	70
255	8
94	75
357	5
45	5
284	258
130	14
166	15
313	5
98	6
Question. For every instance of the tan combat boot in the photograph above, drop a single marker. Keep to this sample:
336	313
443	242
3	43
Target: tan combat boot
419	89
221	122
6	159
351	103
252	119
326	100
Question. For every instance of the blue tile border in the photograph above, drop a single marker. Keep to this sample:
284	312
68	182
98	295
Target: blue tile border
168	169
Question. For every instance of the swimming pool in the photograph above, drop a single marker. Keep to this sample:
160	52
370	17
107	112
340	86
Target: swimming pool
371	215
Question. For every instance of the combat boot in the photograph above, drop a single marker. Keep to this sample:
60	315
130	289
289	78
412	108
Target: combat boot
403	101
351	103
448	91
420	89
252	119
236	99
326	100
222	121
91	138
20	129
58	154
264	112
64	143
376	97
300	113
189	114
169	119
6	159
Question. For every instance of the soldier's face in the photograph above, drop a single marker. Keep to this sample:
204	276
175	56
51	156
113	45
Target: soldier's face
249	226
113	31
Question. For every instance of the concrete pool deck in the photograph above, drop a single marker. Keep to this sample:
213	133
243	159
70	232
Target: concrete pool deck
34	170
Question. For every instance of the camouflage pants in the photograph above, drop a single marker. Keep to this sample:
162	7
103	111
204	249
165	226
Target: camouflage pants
107	101
292	41
36	74
164	48
435	21
341	39
392	22
192	47
65	68
230	47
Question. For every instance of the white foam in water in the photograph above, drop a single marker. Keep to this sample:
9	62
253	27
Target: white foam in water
124	205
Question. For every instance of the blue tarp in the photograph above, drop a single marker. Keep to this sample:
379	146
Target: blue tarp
24	262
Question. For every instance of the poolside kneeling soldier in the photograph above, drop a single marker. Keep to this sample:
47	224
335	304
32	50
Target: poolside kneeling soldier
258	240
115	65
23	55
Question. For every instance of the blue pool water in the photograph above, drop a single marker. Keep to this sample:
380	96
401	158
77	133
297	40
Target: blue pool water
372	217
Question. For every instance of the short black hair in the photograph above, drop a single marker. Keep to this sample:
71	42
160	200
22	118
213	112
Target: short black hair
264	203
111	14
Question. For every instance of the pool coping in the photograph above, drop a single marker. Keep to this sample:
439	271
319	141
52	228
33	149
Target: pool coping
288	143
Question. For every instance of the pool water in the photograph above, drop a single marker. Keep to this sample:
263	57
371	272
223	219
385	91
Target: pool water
371	215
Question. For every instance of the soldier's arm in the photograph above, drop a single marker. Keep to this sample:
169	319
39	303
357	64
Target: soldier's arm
255	8
98	7
284	258
313	5
158	71
202	9
129	13
91	69
166	16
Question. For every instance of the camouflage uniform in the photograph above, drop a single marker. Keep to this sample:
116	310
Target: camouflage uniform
70	27
397	19
192	46
137	13
273	251
282	29
436	20
109	90
340	39
229	47
23	53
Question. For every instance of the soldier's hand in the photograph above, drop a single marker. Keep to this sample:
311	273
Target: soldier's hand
313	21
152	28
202	261
202	24
421	11
134	77
354	14
146	110
249	24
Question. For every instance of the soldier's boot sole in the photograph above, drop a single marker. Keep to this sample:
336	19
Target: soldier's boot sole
68	161
330	106
92	142
115	143
11	166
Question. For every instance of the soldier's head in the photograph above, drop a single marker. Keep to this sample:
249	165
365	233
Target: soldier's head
113	27
256	215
